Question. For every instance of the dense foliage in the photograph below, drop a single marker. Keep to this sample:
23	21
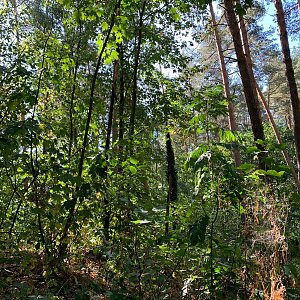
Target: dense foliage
116	159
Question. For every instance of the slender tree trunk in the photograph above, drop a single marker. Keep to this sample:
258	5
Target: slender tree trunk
231	116
71	109
111	134
289	119
135	71
171	179
34	154
14	3
290	75
269	94
63	239
112	105
122	101
114	136
107	210
248	85
277	135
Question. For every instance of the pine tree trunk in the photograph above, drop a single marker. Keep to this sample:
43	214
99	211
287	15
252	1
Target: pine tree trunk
290	75
224	73
262	98
248	86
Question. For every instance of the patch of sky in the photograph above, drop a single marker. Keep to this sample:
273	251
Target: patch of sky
269	22
191	45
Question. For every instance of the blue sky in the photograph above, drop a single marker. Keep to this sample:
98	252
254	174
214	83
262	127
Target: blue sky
269	21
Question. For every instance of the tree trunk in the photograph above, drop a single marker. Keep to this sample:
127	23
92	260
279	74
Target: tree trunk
277	135
171	179
135	71
290	75
112	105
262	98
248	85
14	4
71	109
64	234
122	101
106	221
224	73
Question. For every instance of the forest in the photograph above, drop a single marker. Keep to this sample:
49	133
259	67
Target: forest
149	149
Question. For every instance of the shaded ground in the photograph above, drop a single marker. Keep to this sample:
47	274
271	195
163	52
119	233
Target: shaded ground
22	276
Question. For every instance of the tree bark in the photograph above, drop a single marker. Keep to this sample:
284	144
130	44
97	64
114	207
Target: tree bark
122	101
225	79
263	100
135	71
290	76
112	105
106	221
71	109
171	179
248	85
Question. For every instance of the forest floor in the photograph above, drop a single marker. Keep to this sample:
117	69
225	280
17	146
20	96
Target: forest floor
22	276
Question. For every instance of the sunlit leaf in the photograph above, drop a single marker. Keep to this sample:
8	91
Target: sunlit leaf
141	222
133	160
132	169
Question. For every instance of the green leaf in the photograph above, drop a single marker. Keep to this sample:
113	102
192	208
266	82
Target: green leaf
132	169
114	55
252	149
65	67
141	222
99	42
119	37
260	142
104	26
133	161
241	209
164	248
174	14
275	173
228	136
246	167
260	172
65	2
194	156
